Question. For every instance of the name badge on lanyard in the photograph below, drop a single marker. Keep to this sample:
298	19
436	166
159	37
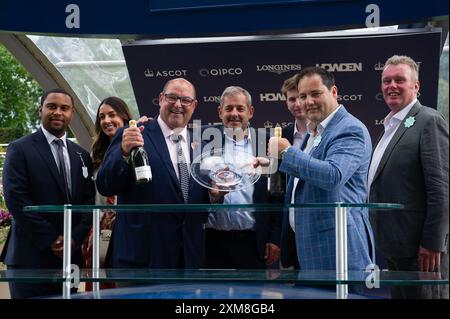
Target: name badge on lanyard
84	169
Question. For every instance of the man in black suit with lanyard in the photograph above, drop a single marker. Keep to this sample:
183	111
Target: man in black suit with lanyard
45	168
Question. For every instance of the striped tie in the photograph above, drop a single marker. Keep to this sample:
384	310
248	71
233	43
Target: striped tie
182	166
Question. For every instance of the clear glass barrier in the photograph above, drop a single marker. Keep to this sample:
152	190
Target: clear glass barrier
331	277
229	275
207	207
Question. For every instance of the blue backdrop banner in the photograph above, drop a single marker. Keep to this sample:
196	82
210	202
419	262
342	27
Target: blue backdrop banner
261	64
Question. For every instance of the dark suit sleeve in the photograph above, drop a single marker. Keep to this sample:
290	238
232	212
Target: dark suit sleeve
275	228
114	174
434	158
288	133
16	187
80	231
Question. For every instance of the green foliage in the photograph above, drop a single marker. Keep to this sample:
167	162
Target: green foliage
8	134
19	99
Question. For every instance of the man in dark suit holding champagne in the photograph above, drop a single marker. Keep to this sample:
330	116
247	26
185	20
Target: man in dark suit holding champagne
158	239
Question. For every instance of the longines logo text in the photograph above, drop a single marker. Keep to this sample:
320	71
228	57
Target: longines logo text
215	99
220	72
271	97
164	73
278	68
341	67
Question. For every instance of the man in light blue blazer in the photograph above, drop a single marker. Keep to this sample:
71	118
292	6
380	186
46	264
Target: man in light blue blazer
331	166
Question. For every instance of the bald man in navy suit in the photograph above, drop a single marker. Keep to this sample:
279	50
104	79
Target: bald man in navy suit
157	239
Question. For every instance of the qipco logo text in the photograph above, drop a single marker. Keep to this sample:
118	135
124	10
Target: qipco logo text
221	72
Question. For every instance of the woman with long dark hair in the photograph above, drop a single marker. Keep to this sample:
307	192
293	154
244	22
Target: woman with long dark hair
112	114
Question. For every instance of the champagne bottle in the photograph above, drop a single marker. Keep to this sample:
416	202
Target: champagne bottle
277	180
139	162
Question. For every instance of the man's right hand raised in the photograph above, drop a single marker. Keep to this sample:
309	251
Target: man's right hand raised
131	138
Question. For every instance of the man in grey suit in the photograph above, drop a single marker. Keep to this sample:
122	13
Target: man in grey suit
410	166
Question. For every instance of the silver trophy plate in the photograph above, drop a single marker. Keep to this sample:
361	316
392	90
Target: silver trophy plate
233	172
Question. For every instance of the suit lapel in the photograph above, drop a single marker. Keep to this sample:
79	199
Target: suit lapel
329	129
305	141
43	148
395	139
156	137
290	133
75	167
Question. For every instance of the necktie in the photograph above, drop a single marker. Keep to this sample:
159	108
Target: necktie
182	167
62	167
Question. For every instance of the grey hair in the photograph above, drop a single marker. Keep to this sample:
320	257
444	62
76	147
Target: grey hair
235	90
403	59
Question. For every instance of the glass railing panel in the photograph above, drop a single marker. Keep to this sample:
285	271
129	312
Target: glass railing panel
208	207
139	276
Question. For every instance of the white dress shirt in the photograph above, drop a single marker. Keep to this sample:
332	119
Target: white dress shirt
313	131
242	218
298	136
391	124
172	146
50	138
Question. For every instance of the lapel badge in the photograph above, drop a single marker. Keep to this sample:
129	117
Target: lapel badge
410	121
317	140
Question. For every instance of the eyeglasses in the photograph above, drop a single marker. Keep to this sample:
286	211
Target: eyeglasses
172	99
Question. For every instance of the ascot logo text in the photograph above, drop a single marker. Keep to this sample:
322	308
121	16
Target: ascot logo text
349	97
341	67
164	73
278	68
220	72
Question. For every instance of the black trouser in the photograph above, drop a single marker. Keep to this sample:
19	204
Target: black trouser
235	249
19	290
293	248
417	292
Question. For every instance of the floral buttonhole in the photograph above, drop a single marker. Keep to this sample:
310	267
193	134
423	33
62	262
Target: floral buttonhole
410	121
